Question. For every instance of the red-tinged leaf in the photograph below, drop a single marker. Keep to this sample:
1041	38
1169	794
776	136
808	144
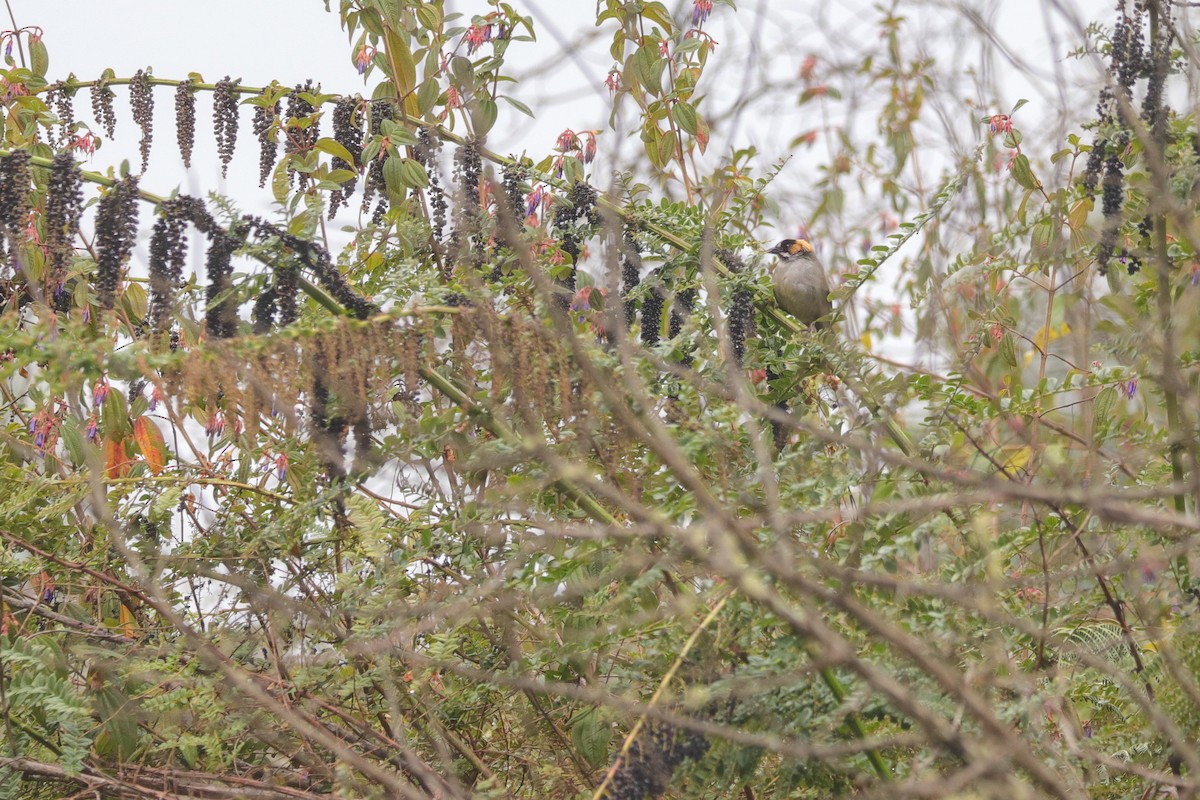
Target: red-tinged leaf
150	439
702	134
116	461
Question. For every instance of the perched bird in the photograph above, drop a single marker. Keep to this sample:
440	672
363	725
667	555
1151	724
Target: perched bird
801	286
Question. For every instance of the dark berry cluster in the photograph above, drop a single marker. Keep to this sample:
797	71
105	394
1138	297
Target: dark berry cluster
468	170
64	205
740	313
185	120
652	758
301	127
220	321
374	183
685	303
580	206
60	99
329	427
428	153
347	130
515	175
1154	112
287	287
1113	198
1128	61
570	214
225	120
263	312
14	202
264	123
631	274
102	107
116	232
362	442
652	309
168	249
465	244
141	101
316	258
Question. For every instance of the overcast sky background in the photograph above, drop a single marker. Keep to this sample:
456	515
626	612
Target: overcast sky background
989	54
293	40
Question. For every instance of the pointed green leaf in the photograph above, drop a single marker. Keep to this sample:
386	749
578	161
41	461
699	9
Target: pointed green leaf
685	117
334	148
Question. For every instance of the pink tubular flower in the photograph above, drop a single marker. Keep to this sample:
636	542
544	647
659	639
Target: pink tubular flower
807	67
156	397
85	142
534	200
589	149
216	424
567	140
1000	123
362	59
100	392
700	11
93	428
281	465
476	36
613	81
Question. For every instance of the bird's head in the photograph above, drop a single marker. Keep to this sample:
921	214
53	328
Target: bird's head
792	248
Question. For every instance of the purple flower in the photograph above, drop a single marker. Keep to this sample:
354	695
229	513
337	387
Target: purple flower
100	392
534	200
1130	388
216	424
362	59
700	11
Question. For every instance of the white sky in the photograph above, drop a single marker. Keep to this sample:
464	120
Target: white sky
292	40
762	44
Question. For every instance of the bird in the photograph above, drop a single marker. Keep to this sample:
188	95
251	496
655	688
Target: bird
801	286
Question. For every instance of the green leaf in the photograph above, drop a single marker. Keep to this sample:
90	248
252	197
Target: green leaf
1103	405
413	173
1023	173
39	57
685	117
393	177
485	115
1078	215
76	450
666	148
461	71
1023	208
648	66
334	148
518	105
430	16
1008	349
428	94
280	184
591	736
341	176
656	12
